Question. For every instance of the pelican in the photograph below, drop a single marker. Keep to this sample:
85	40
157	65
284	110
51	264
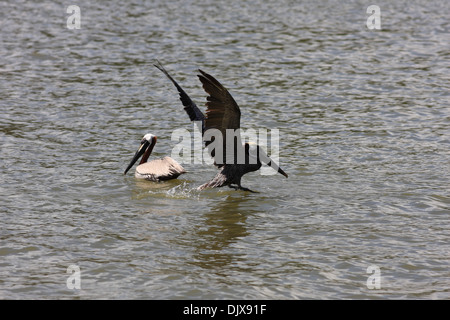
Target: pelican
155	170
222	114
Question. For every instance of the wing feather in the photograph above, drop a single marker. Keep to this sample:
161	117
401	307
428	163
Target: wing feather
222	113
190	107
160	169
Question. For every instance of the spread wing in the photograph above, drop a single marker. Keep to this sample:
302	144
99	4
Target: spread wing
190	107
222	113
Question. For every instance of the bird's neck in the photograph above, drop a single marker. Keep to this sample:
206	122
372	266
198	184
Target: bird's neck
147	153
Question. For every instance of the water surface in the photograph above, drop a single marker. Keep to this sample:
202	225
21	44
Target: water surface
364	136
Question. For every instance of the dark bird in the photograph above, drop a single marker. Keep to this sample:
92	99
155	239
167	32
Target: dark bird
155	170
231	156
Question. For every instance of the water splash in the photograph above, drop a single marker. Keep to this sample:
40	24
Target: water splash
182	191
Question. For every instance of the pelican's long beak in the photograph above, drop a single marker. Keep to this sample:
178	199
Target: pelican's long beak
265	159
282	172
276	167
138	154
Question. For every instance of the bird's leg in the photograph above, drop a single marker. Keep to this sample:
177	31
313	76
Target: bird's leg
245	189
234	187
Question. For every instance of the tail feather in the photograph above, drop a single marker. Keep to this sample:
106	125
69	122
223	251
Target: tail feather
218	181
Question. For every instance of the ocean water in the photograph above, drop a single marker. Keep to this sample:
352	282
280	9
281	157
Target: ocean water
363	118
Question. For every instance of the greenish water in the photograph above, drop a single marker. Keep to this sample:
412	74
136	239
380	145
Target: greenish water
364	136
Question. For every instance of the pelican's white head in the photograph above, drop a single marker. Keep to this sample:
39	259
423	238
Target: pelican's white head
148	137
147	144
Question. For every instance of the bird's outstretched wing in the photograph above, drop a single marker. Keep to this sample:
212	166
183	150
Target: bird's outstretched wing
222	113
190	107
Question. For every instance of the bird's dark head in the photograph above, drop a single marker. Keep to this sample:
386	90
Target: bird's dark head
255	154
252	152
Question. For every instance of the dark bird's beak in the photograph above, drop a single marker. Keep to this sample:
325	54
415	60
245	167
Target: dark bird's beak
282	172
275	166
265	159
139	153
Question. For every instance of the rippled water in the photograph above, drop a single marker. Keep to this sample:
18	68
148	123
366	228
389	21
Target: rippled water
364	136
